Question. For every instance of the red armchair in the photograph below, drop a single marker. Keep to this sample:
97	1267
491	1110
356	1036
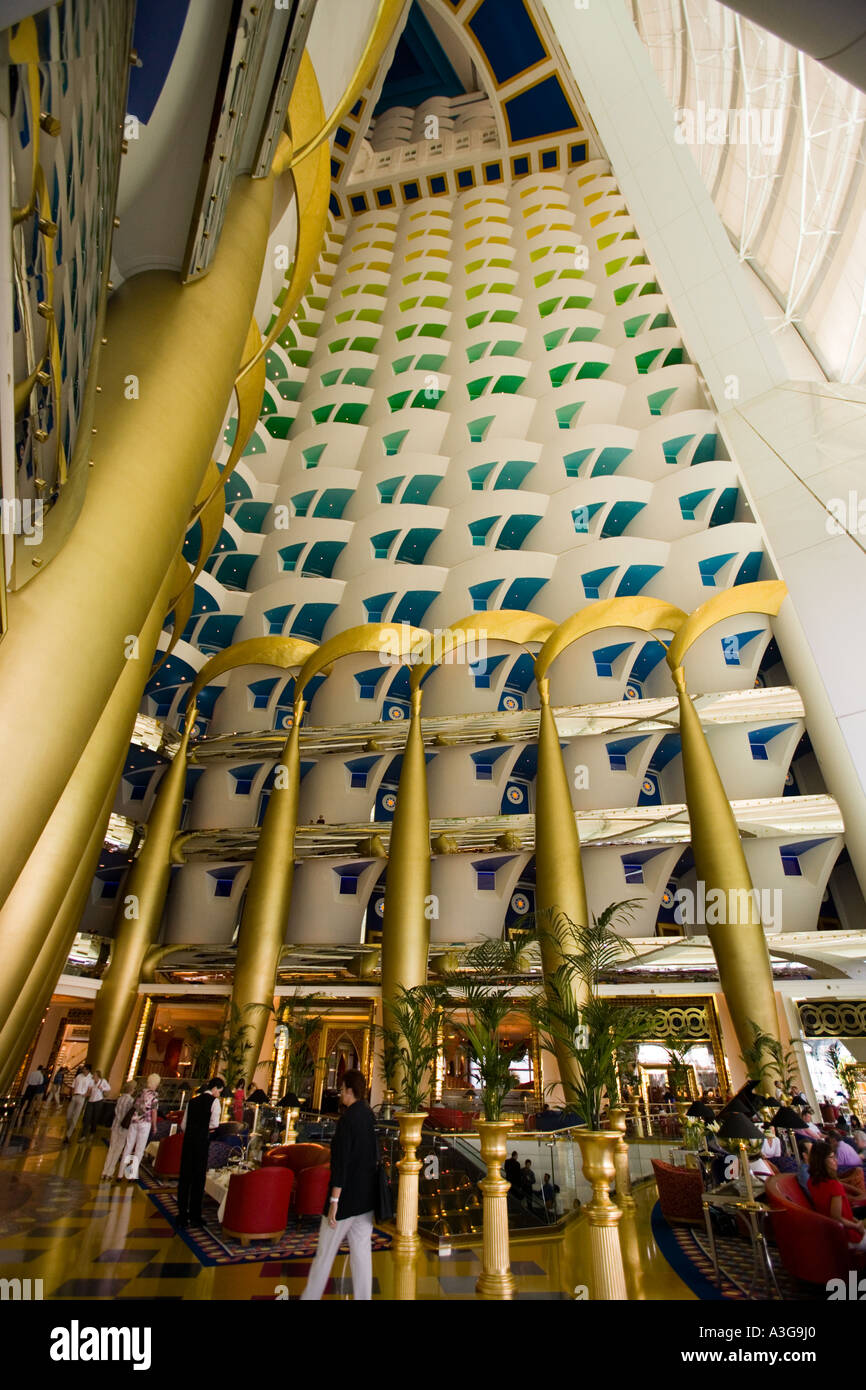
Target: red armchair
257	1204
812	1247
312	1190
167	1163
296	1156
679	1192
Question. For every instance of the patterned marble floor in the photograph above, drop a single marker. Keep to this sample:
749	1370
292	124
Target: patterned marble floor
87	1240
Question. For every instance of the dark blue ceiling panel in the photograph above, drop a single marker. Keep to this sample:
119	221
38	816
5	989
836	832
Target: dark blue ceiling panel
420	69
156	35
542	110
508	37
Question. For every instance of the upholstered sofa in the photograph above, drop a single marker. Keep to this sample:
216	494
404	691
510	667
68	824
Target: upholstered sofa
679	1192
812	1247
257	1204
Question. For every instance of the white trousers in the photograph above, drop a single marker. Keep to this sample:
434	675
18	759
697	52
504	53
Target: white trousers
73	1110
358	1230
136	1142
116	1148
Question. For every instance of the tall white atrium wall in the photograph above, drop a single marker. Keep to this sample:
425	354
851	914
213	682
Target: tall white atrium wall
478	423
801	444
486	402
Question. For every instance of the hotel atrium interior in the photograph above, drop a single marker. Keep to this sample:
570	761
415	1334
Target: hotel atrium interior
545	814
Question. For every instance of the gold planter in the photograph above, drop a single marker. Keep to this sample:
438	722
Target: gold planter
406	1241
617	1121
496	1279
598	1151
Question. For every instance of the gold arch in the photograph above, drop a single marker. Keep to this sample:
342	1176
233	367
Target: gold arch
766	596
645	614
500	625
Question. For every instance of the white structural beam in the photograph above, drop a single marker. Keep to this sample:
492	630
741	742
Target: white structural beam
697	267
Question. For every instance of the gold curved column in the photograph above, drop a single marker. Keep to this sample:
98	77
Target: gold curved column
139	913
405	922
47	966
559	883
560	891
35	900
269	893
268	899
69	627
740	947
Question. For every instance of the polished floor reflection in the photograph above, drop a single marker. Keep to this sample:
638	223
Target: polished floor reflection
86	1239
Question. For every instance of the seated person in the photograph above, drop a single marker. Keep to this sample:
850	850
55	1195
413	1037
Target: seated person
846	1154
772	1145
804	1148
810	1129
829	1111
852	1178
829	1196
858	1136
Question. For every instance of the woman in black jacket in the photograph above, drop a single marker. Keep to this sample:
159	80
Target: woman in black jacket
351	1202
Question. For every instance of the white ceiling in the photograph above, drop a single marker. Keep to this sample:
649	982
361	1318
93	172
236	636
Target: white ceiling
794	207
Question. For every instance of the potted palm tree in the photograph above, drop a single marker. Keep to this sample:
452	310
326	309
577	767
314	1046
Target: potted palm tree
300	1022
485	993
680	1078
409	1047
592	1028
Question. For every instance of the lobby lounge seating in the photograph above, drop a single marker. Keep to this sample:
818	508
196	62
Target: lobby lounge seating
257	1205
812	1247
167	1164
296	1156
311	1191
441	1117
679	1192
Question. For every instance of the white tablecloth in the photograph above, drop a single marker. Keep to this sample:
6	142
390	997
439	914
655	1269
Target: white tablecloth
216	1185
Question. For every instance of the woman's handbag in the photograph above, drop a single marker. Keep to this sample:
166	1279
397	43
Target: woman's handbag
384	1208
126	1120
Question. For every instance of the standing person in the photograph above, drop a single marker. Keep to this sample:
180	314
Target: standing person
528	1181
549	1190
56	1087
34	1088
117	1141
92	1102
202	1115
238	1101
143	1121
513	1172
349	1212
80	1087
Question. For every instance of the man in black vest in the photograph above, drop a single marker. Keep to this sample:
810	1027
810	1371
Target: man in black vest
202	1116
